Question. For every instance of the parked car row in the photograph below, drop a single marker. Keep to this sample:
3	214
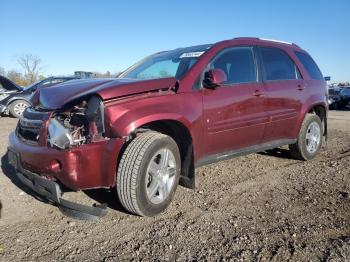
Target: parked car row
339	97
15	99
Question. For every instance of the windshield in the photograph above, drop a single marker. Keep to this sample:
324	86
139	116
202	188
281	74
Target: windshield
173	63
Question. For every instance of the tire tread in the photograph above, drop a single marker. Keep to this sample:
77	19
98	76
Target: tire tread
298	150
129	168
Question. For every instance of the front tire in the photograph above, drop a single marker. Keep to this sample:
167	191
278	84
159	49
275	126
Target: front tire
17	108
309	140
148	174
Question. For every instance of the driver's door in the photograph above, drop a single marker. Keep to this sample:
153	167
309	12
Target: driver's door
234	115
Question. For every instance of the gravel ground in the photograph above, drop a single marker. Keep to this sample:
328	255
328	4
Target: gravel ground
259	207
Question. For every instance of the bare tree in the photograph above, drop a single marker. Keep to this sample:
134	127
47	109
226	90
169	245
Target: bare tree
16	77
31	66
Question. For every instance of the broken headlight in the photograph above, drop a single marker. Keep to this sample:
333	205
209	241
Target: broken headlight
84	123
61	136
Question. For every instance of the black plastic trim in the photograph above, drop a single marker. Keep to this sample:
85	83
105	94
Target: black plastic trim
244	151
51	191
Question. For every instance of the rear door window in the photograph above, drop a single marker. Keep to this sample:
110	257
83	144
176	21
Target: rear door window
278	65
310	65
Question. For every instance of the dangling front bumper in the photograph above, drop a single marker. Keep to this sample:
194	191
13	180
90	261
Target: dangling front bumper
52	192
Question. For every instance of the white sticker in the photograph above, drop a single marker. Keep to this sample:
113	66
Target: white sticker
191	54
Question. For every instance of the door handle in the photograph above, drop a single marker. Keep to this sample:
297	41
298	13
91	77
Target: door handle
258	93
300	87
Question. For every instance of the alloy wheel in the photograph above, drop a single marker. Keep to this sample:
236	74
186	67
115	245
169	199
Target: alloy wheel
160	178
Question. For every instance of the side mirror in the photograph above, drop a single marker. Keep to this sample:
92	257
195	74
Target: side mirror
214	78
327	78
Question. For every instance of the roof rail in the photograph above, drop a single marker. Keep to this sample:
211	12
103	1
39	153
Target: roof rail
265	39
246	38
277	41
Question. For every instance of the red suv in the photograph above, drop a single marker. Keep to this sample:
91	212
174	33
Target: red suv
146	131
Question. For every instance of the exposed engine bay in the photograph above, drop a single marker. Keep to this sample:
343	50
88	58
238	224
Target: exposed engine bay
82	124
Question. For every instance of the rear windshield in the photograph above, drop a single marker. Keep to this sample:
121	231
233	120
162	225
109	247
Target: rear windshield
310	65
173	63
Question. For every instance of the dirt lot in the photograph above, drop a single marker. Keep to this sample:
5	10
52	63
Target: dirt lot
259	207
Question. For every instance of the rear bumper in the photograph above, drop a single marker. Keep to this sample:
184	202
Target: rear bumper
84	167
52	192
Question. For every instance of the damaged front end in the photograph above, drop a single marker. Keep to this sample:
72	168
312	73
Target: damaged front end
82	124
65	147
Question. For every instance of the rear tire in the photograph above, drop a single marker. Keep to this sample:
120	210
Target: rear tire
335	106
309	140
148	174
17	108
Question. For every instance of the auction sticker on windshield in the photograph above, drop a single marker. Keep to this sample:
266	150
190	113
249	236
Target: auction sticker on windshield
191	54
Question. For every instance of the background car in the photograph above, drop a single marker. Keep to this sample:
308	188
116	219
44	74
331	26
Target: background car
333	97
344	97
15	99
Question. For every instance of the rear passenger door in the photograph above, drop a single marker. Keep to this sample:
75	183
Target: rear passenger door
284	89
234	112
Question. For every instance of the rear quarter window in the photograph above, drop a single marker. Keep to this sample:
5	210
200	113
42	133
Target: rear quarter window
309	65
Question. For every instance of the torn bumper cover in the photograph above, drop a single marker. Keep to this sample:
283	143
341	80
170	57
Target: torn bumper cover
51	191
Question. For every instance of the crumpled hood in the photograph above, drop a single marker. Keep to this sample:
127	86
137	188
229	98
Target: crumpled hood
57	96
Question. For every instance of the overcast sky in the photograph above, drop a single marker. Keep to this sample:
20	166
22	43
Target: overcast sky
112	35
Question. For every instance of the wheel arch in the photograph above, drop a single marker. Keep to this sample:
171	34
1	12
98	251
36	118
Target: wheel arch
321	111
181	134
16	98
318	108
